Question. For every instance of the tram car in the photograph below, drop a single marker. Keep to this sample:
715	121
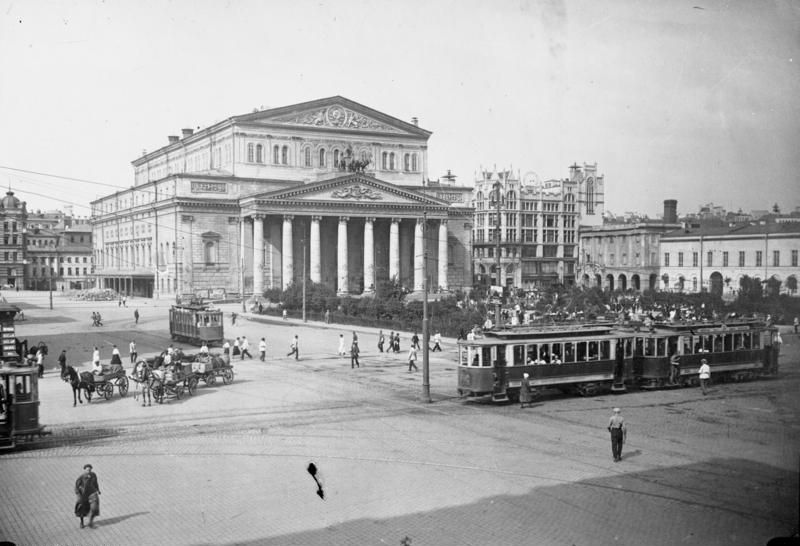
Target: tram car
592	358
195	323
19	388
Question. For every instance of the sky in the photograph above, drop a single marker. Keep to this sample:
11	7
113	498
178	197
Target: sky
690	100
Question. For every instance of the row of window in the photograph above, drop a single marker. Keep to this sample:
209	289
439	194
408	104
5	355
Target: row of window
281	156
49	271
547	251
759	259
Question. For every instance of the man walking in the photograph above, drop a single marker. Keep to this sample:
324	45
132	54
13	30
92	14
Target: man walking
341	351
262	349
62	361
295	346
327	316
381	341
412	357
415	341
354	355
132	351
616	426
245	348
437	340
136	315
705	374
87	492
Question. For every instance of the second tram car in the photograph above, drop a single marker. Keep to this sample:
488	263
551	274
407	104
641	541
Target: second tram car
587	359
195	324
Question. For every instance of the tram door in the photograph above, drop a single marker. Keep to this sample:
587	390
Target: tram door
619	363
499	367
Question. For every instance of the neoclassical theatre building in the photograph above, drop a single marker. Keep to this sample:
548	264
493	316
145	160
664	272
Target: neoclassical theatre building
330	187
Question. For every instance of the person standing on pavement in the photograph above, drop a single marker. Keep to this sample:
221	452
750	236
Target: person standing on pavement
354	355
327	316
236	351
412	357
132	351
397	342
437	343
87	492
341	351
96	357
796	324
415	341
525	393
295	346
226	349
116	357
233	318
245	348
40	362
262	349
616	426
136	315
62	361
381	341
705	374
674	368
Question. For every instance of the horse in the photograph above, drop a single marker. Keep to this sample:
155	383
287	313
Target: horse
84	380
144	378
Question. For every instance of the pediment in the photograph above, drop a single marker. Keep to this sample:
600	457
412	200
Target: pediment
336	113
357	189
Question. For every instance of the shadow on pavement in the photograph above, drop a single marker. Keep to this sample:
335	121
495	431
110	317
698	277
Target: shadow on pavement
118	519
718	502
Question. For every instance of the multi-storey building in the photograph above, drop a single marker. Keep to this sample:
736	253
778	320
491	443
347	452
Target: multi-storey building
625	255
58	252
531	231
715	259
13	216
330	190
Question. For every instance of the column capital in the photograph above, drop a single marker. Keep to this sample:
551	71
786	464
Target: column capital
258	216
288	217
420	221
396	220
316	218
443	222
369	219
344	219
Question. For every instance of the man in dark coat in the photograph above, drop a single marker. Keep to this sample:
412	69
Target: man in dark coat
525	393
62	361
87	492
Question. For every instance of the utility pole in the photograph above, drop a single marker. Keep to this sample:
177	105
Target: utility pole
497	253
304	274
426	383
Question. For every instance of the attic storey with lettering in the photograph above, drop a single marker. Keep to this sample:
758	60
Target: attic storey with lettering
245	205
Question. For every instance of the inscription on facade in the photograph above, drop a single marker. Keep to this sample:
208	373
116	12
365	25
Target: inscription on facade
209	187
451	197
356	192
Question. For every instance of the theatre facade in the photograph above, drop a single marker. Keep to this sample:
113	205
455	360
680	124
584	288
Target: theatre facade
328	189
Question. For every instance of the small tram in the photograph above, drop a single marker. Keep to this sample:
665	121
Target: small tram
195	323
587	359
19	388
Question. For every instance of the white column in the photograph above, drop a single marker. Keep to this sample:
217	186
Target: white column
342	284
369	256
258	255
419	257
242	226
394	250
286	252
443	254
316	256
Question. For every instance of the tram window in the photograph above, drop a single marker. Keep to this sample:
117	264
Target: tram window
605	350
661	346
569	352
746	340
544	353
639	350
707	346
728	342
738	344
718	347
687	345
650	347
592	350
672	345
519	355
22	390
628	348
756	341
533	354
558	354
580	353
486	356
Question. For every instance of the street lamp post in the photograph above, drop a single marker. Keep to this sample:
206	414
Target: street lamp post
426	383
497	187
304	274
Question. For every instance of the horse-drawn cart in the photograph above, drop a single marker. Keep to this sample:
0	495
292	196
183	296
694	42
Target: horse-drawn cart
209	367
173	382
112	376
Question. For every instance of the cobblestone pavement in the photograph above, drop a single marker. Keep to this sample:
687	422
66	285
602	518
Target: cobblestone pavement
228	465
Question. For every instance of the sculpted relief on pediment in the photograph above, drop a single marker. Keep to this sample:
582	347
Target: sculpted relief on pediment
336	116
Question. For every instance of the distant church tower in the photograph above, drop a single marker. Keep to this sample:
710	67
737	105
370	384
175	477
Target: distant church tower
591	193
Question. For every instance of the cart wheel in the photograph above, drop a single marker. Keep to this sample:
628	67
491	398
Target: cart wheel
158	393
192	385
123	386
227	376
211	379
107	391
179	392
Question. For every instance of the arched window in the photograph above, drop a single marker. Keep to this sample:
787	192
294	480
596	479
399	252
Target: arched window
391	161
385	161
590	196
210	252
276	154
307	157
285	155
414	167
322	157
249	153
406	162
259	154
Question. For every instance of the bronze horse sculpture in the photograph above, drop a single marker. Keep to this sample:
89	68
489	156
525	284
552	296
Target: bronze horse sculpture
83	381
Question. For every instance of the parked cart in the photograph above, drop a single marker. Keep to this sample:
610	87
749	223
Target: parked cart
113	376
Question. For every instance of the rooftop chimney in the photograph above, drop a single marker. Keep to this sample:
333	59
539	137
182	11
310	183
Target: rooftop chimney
172	138
187	132
670	211
415	121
